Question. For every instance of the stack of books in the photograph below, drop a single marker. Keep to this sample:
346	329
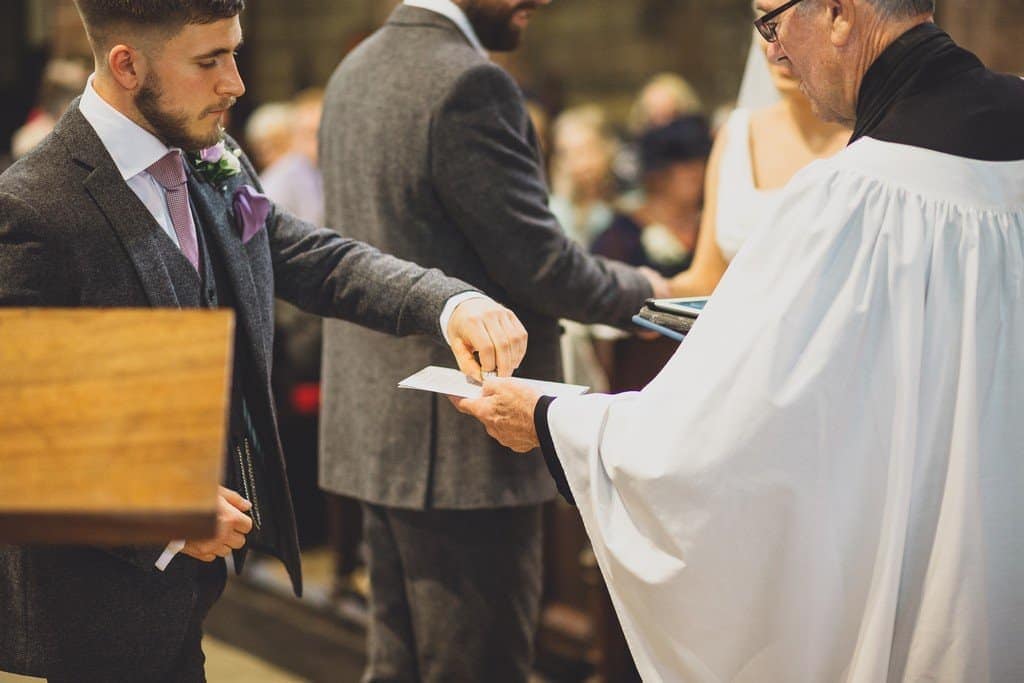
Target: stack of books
670	317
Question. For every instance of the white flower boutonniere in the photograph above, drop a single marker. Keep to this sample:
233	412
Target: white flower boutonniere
661	245
217	163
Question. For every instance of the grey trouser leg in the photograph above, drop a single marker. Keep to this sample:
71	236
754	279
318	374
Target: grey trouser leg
455	595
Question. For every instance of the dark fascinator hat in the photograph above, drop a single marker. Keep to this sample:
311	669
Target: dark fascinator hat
684	139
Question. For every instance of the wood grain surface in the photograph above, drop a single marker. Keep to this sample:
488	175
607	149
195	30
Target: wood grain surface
116	417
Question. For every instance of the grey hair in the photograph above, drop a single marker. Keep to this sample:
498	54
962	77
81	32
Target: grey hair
902	9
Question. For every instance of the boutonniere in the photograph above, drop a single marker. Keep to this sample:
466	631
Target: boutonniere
216	164
251	211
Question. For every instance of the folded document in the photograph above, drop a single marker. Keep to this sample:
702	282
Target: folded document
454	383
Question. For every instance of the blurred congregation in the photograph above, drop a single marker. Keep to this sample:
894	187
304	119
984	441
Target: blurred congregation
643	128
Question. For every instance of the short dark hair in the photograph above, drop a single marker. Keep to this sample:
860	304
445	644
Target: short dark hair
687	138
168	16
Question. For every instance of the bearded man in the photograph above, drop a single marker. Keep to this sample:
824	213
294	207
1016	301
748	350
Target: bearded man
428	152
137	200
824	484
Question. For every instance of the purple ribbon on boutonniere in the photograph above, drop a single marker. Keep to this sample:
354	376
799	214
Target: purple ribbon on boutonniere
251	211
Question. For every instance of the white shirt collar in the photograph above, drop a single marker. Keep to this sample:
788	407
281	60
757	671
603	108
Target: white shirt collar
133	148
449	9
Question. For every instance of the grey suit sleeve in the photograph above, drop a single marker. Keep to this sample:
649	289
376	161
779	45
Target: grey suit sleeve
487	174
33	268
322	272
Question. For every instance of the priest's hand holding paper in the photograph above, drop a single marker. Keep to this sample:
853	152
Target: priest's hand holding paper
506	411
483	327
232	526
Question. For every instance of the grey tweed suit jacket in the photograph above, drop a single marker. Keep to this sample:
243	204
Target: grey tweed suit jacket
72	233
428	153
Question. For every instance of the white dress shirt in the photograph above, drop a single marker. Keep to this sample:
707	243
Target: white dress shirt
134	149
449	9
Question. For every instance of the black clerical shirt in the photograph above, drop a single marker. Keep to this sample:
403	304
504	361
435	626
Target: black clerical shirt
926	91
923	91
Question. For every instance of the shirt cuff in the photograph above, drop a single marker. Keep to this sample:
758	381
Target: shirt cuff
172	549
451	305
547	447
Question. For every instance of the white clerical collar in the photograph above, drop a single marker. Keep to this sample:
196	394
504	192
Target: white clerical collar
449	9
132	147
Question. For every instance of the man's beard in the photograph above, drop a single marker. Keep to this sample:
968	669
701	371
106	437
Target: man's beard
493	25
171	126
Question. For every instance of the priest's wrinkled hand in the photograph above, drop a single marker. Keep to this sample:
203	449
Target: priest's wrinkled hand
506	411
492	332
232	526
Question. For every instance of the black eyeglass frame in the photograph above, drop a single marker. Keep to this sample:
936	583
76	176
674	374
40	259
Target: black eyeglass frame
766	27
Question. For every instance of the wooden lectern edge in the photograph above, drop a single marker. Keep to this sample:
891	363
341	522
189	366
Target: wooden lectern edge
113	526
105	529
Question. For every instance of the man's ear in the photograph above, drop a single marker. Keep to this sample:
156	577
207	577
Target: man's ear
843	18
127	66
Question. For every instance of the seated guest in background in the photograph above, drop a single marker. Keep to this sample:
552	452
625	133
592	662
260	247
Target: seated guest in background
772	135
104	213
294	183
582	183
269	133
661	232
663	99
293	180
825	482
63	80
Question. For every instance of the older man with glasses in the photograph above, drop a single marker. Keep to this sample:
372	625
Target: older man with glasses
824	482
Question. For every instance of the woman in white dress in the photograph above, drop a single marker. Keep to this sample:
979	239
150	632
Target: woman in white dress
772	135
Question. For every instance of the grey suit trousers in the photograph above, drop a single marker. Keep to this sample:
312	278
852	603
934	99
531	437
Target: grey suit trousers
455	594
188	666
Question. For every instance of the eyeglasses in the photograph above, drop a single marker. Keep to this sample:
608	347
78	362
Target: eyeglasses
767	27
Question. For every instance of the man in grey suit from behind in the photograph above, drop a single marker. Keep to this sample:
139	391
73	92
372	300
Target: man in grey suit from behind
428	152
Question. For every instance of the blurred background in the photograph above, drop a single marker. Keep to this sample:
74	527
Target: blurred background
576	51
606	80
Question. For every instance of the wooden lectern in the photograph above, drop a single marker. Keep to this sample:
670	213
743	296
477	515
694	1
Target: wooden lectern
112	424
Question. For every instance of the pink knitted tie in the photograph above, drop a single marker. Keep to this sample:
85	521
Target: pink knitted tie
169	171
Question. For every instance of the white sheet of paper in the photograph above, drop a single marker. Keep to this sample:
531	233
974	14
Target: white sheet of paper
453	383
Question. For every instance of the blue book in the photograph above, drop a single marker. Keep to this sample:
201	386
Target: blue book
661	329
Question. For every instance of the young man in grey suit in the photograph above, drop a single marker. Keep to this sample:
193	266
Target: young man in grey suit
115	210
428	152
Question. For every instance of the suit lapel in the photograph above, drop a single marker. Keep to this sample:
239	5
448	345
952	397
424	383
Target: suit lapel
138	232
128	217
216	214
